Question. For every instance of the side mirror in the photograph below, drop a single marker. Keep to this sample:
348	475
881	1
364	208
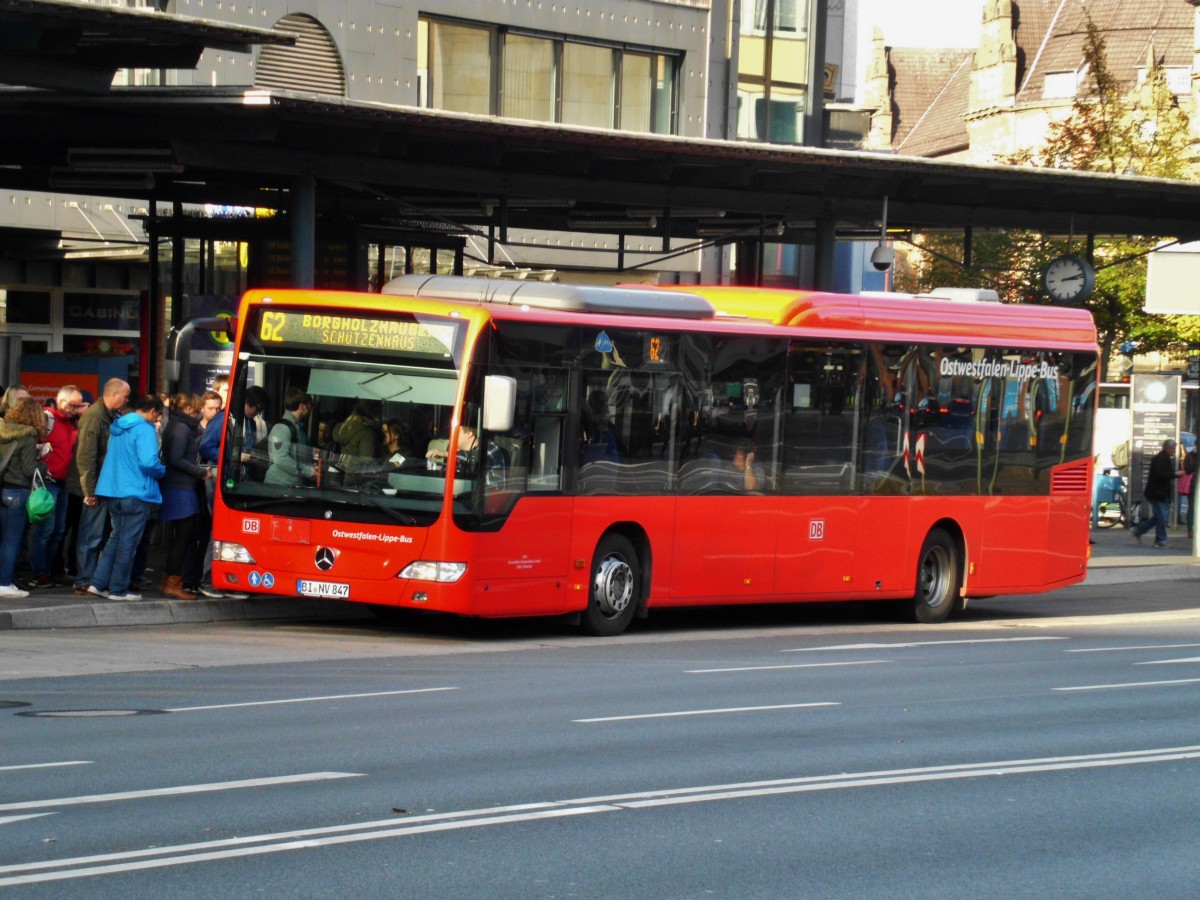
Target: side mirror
499	402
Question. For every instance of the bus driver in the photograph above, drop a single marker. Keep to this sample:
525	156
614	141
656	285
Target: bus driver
287	445
468	457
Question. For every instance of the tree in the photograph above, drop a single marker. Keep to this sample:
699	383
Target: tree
1142	132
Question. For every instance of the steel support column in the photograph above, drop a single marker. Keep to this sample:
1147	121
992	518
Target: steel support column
304	230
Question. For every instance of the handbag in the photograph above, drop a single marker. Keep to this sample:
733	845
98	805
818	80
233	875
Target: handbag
40	505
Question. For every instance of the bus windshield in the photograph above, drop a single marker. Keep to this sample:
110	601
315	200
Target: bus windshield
341	435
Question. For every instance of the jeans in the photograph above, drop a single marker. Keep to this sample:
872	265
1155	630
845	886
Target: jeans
12	530
48	537
115	566
1160	513
89	537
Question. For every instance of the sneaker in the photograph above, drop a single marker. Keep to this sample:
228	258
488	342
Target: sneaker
12	592
1137	537
42	581
125	597
81	590
1160	545
95	592
236	595
208	591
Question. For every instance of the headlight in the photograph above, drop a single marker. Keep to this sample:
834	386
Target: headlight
227	551
424	570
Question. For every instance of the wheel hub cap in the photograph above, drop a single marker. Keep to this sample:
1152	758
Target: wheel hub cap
613	586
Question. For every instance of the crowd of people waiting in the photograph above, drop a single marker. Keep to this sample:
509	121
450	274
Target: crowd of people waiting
121	474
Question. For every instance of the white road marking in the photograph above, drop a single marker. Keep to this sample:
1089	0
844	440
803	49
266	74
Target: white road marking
1009	640
703	712
179	709
1129	684
8	820
76	762
174	791
1168	662
1125	649
830	665
255	845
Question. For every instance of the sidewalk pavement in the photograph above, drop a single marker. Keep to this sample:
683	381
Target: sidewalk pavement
1116	559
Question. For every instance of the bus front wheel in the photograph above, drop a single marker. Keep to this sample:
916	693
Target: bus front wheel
938	579
613	592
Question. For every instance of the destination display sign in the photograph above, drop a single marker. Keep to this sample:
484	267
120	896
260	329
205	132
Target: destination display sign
391	335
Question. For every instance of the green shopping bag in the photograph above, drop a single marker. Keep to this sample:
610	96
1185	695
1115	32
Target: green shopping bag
40	505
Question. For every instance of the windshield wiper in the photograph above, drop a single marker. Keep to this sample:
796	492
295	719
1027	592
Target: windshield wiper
263	502
397	514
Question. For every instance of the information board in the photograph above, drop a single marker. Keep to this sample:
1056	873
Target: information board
1155	404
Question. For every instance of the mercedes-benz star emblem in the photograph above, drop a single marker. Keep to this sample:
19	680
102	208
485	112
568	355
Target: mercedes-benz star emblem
324	559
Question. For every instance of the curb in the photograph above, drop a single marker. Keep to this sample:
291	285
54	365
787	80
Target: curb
174	612
1118	574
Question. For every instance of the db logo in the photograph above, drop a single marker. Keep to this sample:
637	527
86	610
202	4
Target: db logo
251	526
816	530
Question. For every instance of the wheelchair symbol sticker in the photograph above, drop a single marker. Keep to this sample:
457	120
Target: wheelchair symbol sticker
268	580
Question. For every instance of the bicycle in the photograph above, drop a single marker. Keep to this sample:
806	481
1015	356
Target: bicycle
1112	500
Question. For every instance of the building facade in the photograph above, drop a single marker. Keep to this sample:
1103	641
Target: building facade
985	103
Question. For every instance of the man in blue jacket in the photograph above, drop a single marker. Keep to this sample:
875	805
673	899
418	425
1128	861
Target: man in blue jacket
129	485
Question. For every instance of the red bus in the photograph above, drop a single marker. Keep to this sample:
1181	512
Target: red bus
558	449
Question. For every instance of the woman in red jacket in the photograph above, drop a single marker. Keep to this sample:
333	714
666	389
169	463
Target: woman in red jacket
63	418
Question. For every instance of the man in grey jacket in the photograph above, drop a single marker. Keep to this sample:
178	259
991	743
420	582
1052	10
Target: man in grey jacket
90	449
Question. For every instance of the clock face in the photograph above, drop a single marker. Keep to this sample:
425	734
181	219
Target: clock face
1068	279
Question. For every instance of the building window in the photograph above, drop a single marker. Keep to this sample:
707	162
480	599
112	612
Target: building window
1179	79
529	76
19	307
773	71
493	70
459	63
588	95
1060	85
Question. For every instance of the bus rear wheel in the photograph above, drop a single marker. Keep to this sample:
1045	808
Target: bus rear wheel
613	593
938	579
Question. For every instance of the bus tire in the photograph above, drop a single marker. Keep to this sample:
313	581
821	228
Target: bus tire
614	587
938	579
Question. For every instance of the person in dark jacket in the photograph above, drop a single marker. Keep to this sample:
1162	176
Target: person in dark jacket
128	483
21	430
182	514
1159	489
1189	468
